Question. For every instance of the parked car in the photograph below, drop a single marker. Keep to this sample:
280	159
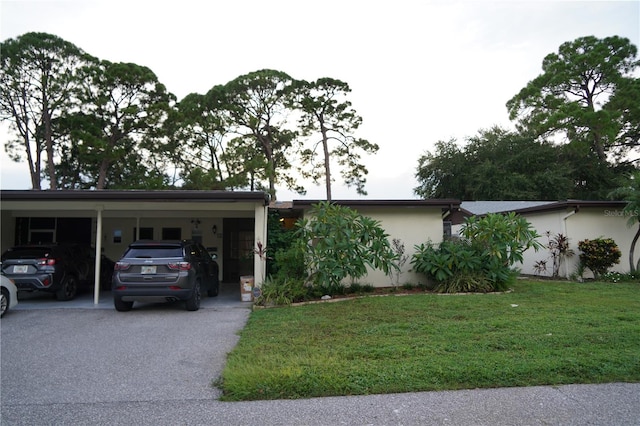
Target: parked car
151	271
54	268
8	295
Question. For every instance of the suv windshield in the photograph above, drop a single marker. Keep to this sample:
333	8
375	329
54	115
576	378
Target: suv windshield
153	251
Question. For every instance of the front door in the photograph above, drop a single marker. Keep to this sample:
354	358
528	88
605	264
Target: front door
238	238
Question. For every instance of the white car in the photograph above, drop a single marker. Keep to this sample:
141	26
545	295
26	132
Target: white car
8	296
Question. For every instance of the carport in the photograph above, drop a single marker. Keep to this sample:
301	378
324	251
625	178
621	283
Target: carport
230	223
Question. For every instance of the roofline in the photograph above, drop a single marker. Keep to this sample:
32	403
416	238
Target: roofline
135	195
443	203
574	204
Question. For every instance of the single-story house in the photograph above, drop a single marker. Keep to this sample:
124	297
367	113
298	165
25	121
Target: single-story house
227	222
576	219
413	222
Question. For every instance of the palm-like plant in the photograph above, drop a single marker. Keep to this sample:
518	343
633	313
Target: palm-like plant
630	192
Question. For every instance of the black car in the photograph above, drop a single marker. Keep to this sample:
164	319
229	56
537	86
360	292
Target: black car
152	271
54	268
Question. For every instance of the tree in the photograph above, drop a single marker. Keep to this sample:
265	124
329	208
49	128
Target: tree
630	192
581	95
257	105
327	113
37	80
495	165
116	136
199	126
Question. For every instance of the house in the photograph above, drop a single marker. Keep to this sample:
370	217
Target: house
413	222
576	219
227	222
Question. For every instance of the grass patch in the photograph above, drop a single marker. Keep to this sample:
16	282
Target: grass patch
559	333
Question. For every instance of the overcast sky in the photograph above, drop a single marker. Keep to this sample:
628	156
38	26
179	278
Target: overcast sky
420	71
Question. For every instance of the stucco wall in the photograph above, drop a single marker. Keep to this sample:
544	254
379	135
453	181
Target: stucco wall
587	223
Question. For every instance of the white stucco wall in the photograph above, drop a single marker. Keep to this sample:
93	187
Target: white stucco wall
587	223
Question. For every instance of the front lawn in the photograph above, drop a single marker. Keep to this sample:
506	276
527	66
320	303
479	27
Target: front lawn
542	333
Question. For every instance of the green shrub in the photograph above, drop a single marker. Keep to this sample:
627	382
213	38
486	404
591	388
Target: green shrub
599	255
480	261
338	243
282	291
465	282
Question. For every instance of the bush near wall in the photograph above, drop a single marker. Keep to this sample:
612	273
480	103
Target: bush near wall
599	255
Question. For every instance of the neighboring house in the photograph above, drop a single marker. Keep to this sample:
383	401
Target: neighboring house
230	223
413	222
576	219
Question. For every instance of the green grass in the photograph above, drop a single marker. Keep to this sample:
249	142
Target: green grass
559	333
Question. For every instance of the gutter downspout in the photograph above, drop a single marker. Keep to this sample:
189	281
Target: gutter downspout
566	234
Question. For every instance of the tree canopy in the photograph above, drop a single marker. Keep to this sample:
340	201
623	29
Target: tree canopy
101	124
587	94
578	129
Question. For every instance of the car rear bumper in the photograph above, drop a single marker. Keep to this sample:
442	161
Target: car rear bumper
151	294
32	282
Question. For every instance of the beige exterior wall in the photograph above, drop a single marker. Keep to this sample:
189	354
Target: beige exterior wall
587	223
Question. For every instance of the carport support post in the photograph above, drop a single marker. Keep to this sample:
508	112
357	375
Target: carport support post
96	285
260	230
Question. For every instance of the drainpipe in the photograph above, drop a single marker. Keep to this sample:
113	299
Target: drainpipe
566	234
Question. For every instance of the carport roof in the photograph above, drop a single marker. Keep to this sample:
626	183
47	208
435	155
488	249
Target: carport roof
136	195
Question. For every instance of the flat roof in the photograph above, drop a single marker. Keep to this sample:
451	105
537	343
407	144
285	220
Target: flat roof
443	203
135	195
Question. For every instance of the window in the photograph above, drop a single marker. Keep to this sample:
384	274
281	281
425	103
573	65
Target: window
171	233
145	233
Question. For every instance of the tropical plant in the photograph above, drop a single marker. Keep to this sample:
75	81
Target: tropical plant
599	255
398	248
559	251
339	243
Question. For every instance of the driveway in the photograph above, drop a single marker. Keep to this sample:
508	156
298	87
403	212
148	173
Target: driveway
59	353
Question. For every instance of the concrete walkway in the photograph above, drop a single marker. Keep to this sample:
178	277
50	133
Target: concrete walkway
76	363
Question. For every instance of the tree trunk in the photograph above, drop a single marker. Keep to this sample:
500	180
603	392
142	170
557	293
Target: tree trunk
327	165
632	266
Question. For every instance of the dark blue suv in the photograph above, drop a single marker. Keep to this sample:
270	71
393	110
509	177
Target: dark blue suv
153	271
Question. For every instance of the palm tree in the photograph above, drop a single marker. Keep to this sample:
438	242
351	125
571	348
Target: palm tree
631	194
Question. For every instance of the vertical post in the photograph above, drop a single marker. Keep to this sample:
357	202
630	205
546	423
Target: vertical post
260	232
96	286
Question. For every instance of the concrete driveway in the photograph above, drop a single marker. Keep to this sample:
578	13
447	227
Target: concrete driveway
75	363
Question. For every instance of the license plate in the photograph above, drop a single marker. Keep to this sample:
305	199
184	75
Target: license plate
148	270
20	269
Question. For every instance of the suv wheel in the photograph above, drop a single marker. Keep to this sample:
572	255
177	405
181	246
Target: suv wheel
4	302
68	289
193	304
121	305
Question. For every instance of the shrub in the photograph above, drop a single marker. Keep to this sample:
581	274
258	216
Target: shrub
282	291
599	255
482	260
465	282
338	243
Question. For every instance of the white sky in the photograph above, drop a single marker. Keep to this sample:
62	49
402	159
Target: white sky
420	71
